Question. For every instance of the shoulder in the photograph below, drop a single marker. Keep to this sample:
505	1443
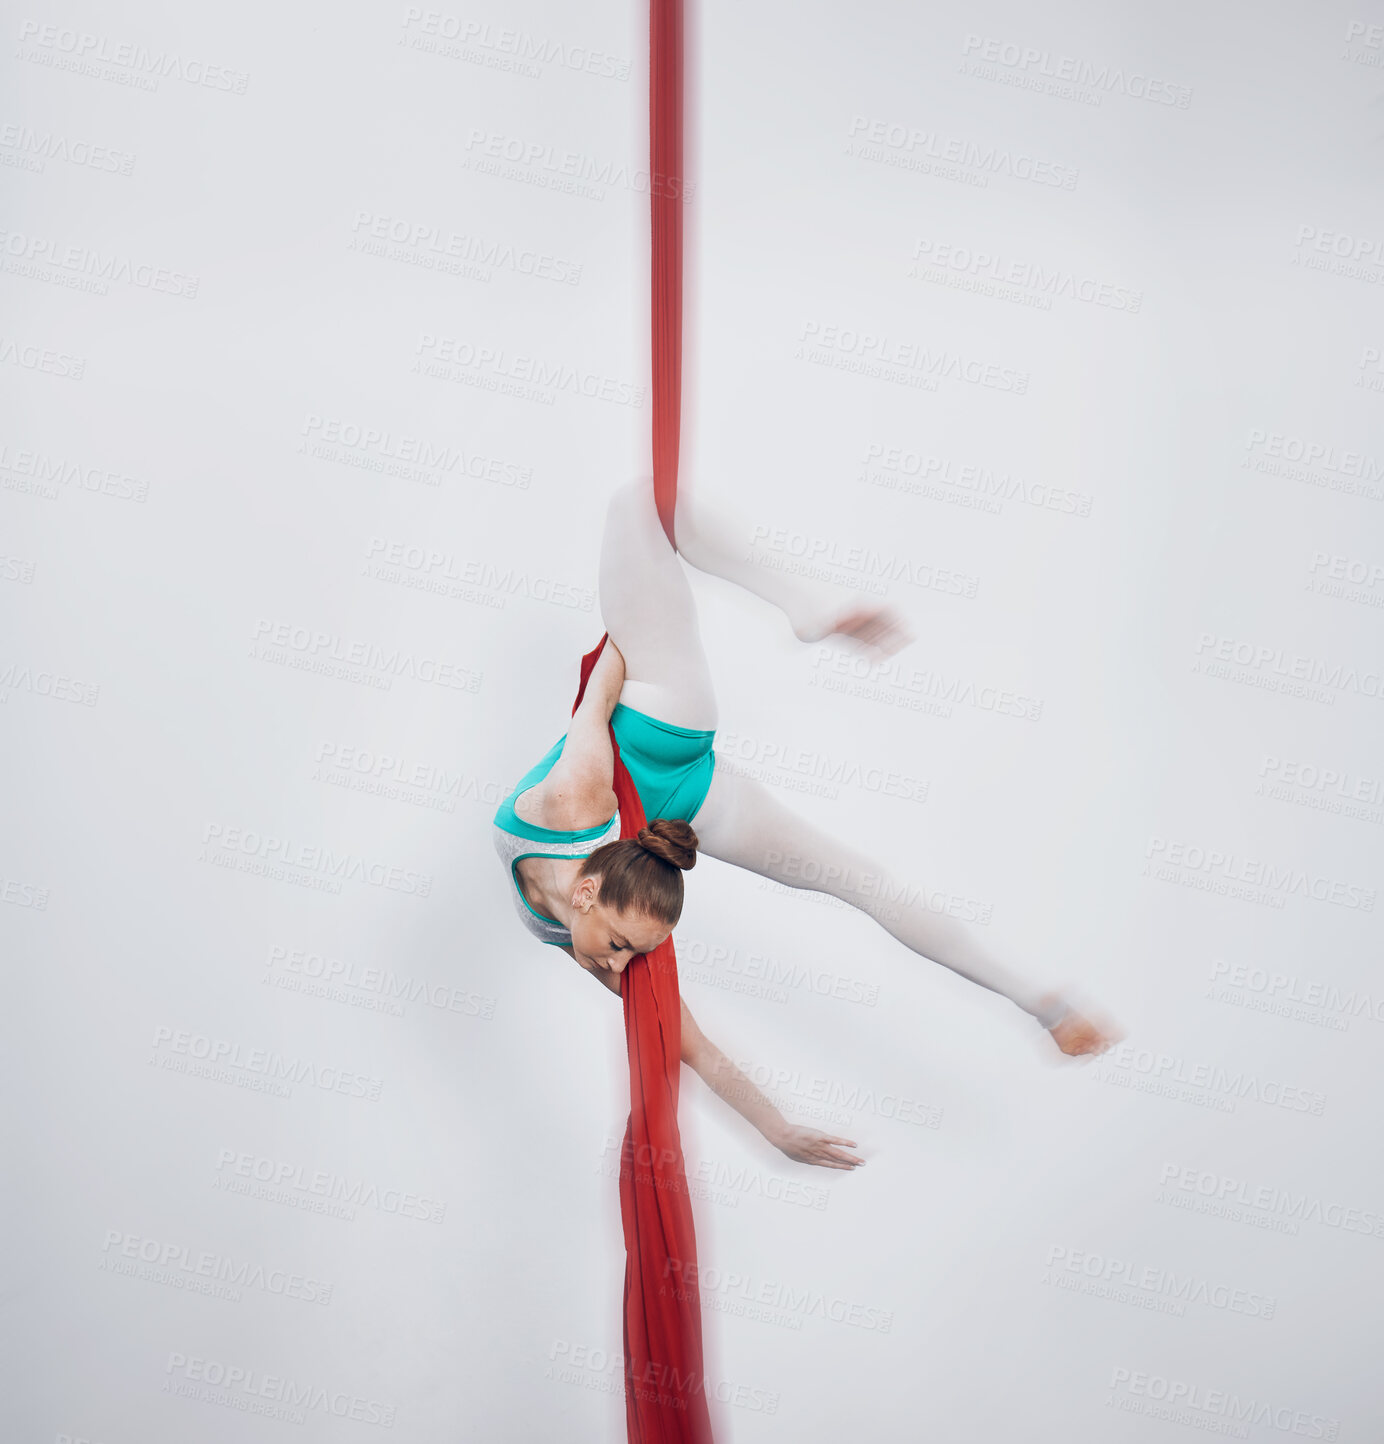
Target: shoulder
567	804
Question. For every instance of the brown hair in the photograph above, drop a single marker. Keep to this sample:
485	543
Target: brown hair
644	873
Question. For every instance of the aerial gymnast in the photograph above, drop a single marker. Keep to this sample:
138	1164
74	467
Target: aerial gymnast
595	837
604	900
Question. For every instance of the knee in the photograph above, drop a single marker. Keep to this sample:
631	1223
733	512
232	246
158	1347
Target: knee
630	496
634	510
804	869
631	506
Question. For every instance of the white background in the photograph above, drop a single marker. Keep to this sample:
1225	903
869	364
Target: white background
1071	1251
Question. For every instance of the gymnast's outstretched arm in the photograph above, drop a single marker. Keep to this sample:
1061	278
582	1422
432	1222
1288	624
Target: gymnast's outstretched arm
731	1085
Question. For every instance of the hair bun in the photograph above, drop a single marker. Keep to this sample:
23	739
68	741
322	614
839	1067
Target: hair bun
671	839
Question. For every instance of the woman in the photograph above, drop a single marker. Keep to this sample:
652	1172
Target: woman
603	900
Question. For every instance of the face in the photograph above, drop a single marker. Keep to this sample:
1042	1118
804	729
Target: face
605	940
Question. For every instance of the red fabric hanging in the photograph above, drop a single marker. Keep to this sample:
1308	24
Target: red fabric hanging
666	201
665	1399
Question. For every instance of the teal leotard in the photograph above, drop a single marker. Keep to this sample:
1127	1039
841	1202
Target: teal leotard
670	766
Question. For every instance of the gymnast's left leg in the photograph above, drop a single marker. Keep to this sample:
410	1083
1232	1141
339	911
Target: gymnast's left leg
717	541
742	823
649	611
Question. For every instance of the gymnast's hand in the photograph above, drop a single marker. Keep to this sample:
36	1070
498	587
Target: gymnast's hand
807	1145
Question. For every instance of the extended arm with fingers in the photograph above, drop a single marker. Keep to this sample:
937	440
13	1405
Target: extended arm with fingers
729	1083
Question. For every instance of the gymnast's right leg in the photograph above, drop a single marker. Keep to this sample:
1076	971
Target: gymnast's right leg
741	822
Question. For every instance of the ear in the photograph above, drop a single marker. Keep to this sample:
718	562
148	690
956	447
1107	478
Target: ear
585	892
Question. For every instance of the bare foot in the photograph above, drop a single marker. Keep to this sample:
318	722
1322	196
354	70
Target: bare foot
877	627
1076	1034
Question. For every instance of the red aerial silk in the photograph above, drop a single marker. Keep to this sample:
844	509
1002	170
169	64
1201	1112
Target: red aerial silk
665	1398
665	1401
667	188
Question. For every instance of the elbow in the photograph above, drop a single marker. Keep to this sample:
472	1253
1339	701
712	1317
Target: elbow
693	1048
618	670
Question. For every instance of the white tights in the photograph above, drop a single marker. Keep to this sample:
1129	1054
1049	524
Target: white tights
648	608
